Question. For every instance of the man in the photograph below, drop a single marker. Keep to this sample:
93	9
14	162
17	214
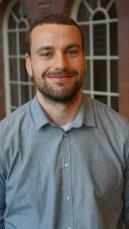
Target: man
64	157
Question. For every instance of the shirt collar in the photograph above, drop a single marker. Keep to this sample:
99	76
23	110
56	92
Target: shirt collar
85	115
89	118
39	116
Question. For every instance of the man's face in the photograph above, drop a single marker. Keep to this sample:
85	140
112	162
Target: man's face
57	61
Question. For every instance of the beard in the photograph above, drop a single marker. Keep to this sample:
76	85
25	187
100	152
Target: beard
60	93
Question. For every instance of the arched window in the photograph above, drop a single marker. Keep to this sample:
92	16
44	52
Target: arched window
98	20
18	86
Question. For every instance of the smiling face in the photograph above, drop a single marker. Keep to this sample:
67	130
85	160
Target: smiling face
57	61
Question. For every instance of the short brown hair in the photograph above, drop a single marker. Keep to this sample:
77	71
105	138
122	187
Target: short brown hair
55	18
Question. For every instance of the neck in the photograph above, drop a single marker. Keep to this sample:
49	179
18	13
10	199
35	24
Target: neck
60	113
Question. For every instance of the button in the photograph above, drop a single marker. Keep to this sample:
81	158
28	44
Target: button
68	197
69	228
65	134
66	165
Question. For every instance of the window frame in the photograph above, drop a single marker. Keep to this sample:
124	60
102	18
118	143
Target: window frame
91	57
7	79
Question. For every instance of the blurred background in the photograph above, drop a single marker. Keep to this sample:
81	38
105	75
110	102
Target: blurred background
105	24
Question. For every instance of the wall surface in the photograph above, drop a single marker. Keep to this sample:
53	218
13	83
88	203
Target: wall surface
37	7
3	5
123	49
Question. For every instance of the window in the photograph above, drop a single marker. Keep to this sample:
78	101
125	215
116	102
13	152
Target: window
19	88
98	21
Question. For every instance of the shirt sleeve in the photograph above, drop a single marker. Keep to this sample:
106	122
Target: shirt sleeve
2	200
126	189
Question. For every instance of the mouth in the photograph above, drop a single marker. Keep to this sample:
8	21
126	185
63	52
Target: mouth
61	75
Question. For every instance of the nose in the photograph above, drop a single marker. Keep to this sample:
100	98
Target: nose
61	62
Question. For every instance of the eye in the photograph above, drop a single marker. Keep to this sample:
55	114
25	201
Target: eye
46	55
72	52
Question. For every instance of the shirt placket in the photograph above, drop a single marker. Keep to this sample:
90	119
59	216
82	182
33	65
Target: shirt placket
67	180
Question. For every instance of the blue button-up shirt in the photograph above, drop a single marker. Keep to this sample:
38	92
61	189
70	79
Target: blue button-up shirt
52	179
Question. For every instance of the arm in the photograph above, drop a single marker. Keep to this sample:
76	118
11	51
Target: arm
2	200
125	213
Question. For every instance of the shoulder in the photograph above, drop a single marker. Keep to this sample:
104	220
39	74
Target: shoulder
106	117
14	119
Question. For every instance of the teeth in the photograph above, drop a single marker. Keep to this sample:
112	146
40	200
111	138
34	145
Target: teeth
59	76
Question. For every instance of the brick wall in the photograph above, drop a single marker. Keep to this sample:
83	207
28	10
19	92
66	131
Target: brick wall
123	49
37	7
2	86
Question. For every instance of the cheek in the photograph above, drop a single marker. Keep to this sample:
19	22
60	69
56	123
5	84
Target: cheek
79	64
38	69
80	68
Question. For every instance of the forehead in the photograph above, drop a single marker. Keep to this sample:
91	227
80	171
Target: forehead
53	34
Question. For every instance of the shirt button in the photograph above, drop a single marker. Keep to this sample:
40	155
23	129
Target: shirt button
66	165
65	134
69	228
68	197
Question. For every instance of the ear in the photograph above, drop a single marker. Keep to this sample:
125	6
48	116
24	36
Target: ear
28	64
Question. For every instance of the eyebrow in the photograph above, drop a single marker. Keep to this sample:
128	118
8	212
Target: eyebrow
74	45
48	48
44	48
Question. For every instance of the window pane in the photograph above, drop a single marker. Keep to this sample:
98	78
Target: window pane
114	103
104	3
13	68
86	84
112	11
13	109
83	13
85	31
100	72
23	10
23	72
16	9
99	37
32	89
12	43
22	25
113	39
24	93
12	22
99	16
114	76
22	42
92	3
101	98
14	95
